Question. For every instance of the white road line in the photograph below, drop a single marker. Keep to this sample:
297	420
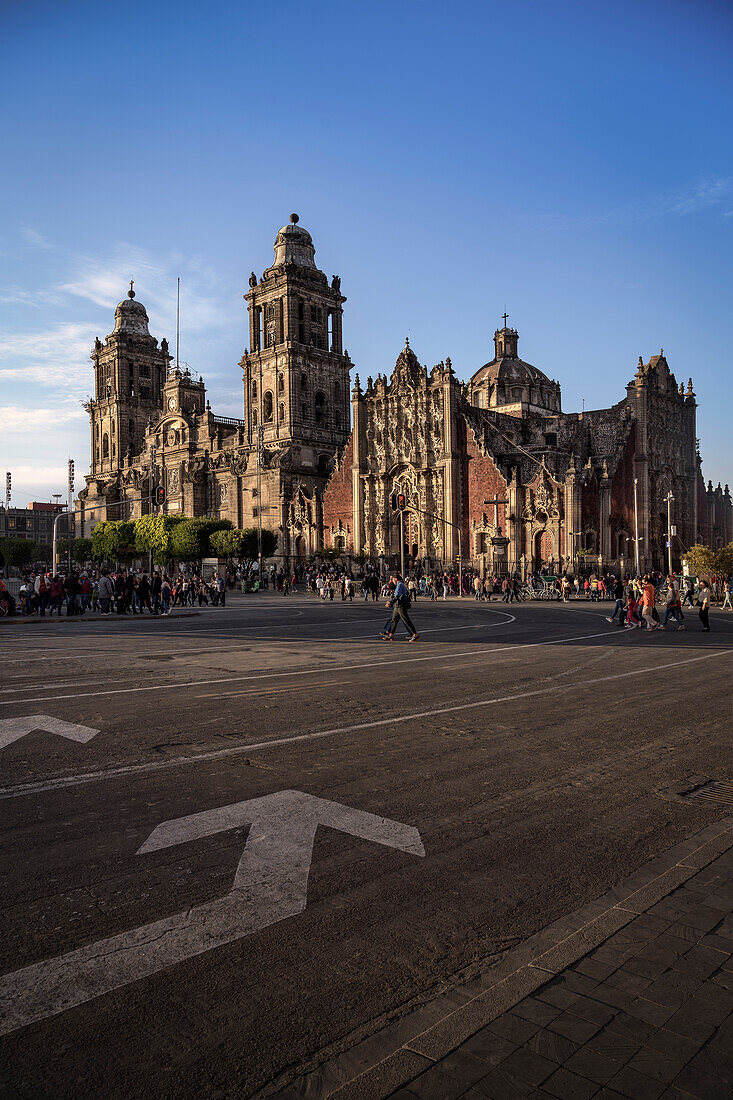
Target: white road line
280	742
183	684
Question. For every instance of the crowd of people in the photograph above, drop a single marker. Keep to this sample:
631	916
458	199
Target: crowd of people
120	592
126	591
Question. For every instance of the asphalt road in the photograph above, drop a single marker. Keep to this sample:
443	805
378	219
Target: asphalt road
514	764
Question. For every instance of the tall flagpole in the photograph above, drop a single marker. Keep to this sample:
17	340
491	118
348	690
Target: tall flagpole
178	318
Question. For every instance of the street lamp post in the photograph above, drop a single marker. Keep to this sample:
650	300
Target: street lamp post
69	532
260	456
636	525
670	500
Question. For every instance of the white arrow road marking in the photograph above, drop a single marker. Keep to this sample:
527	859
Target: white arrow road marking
12	729
270	884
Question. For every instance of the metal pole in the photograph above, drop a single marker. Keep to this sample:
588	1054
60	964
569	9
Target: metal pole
55	533
460	565
402	542
153	456
636	526
670	498
260	446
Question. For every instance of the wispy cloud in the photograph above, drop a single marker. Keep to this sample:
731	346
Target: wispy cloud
29	476
703	193
34	238
57	357
16	419
104	281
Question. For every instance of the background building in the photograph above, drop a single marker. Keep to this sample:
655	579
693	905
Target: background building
34	522
151	423
493	470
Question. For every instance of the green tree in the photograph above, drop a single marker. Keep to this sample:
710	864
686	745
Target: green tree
81	551
227	544
723	560
17	551
191	539
114	541
700	560
156	533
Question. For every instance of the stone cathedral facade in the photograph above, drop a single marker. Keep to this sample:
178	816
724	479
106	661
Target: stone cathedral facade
152	420
492	470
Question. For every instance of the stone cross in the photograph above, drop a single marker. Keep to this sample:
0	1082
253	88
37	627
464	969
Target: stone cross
496	502
505	315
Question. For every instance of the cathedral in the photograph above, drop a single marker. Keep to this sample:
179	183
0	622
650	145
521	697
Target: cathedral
492	471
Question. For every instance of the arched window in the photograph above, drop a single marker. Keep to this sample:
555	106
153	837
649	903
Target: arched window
268	407
304	381
254	417
96	433
131	427
254	391
337	391
319	406
113	427
105	446
280	384
324	462
281	412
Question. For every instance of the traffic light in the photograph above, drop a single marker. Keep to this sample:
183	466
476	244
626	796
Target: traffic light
8	487
160	494
71	476
401	502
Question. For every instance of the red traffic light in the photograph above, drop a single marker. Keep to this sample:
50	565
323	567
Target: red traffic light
401	502
160	495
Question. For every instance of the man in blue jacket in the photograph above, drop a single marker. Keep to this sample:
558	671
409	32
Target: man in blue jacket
400	604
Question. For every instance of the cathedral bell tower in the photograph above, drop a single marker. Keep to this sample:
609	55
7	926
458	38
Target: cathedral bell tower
296	375
129	373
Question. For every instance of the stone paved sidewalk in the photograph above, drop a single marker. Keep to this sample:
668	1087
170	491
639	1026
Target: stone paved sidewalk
630	996
648	1014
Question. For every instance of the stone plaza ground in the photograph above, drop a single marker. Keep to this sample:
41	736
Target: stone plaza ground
258	851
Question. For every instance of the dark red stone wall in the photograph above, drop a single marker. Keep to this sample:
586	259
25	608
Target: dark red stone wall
483	481
338	498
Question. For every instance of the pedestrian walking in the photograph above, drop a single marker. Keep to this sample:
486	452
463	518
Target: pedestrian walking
704	598
400	604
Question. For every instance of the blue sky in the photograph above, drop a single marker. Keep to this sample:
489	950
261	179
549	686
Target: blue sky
570	161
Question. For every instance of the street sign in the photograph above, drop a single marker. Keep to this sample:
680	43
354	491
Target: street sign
12	729
668	544
270	884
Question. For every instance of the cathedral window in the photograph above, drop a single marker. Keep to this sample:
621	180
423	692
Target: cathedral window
337	418
324	462
551	439
319	405
131	427
304	382
254	417
105	446
254	391
268	407
280	384
281	412
303	411
113	427
337	391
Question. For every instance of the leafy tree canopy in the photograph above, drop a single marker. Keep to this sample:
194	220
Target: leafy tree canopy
114	540
156	533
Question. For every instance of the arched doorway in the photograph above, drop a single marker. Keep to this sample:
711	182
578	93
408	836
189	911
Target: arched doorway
300	549
542	549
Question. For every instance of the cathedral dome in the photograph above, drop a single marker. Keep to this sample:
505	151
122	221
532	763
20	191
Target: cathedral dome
130	316
507	379
294	244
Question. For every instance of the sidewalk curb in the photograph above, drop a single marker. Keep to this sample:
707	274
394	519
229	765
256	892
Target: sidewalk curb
392	1057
